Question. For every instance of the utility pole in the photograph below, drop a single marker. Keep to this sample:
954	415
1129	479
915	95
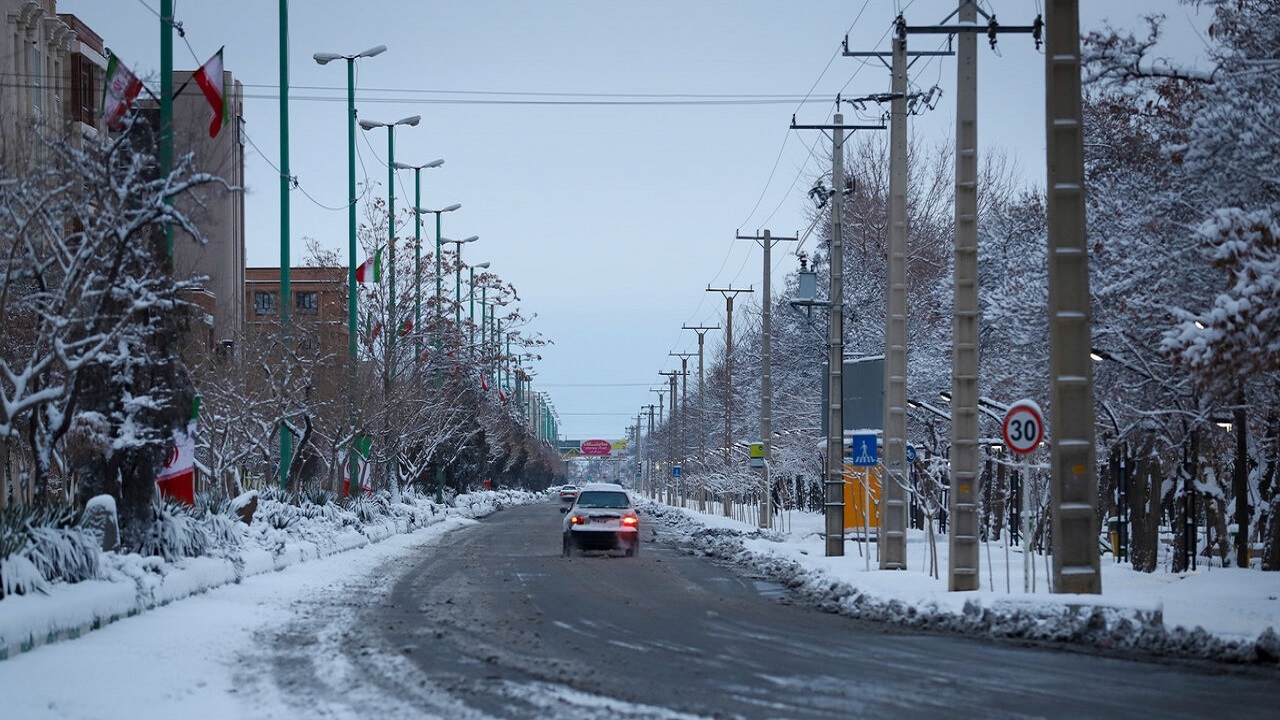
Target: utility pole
893	491
648	452
766	242
729	294
1074	484
675	426
684	400
893	512
833	483
963	540
964	535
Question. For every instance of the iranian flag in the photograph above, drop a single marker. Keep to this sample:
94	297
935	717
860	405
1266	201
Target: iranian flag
209	78
360	456
367	272
177	479
121	89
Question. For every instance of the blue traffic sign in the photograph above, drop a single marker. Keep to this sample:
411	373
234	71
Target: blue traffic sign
863	450
911	453
675	471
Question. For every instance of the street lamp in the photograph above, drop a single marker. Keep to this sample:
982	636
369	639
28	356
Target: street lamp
457	277
471	294
417	242
324	59
391	222
439	271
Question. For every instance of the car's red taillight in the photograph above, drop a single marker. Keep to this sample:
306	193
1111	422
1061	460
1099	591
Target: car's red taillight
577	520
631	521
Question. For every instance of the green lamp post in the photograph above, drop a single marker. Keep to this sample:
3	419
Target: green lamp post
417	243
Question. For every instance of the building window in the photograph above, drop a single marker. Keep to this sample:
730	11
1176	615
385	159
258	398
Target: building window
35	67
264	303
306	303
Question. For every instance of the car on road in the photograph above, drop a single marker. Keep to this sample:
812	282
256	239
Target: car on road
601	518
568	492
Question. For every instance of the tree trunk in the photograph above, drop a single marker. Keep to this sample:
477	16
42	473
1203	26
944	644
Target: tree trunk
1144	510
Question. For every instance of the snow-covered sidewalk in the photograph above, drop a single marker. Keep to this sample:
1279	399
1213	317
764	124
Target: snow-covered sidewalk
1224	614
189	659
132	584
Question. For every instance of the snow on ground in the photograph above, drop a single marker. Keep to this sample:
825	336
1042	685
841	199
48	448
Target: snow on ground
183	660
1225	614
184	653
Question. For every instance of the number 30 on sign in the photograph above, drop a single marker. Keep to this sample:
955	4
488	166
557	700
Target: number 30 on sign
1023	427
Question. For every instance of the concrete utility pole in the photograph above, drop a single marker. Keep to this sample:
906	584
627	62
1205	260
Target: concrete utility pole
893	513
833	483
1074	484
766	242
683	448
648	452
671	376
964	535
729	294
894	490
702	331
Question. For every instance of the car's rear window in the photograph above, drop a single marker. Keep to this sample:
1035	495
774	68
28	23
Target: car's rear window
603	499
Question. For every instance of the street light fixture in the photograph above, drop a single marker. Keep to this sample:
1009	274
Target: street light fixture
471	295
324	59
457	277
417	243
391	224
439	271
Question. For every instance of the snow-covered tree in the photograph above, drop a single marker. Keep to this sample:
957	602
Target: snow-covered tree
89	317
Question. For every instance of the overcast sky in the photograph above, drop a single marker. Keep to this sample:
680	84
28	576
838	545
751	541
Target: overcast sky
601	150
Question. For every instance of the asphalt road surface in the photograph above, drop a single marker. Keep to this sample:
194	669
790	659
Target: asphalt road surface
494	623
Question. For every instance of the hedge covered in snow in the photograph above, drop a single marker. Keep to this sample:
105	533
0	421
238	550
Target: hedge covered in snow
56	581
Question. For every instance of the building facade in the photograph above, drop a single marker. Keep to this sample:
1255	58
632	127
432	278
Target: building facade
317	308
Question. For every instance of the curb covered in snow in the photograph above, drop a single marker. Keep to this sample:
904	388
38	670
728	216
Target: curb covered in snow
1074	619
141	583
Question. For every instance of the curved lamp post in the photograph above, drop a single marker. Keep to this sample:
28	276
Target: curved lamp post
325	59
457	277
417	243
471	296
394	328
439	271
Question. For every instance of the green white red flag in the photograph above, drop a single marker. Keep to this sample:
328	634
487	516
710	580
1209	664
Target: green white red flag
359	454
121	89
370	272
209	78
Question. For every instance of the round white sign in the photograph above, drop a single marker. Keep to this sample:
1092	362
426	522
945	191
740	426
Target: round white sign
1023	427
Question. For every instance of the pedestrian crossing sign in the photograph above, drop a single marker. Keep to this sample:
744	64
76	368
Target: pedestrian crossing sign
862	449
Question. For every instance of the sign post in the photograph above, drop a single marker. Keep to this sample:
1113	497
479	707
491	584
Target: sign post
1023	429
863	451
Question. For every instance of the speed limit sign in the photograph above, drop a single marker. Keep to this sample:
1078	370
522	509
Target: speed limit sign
1023	427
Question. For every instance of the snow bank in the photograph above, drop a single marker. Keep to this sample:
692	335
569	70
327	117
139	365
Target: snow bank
1131	616
134	583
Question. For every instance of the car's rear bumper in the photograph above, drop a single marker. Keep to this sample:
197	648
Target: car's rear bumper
604	538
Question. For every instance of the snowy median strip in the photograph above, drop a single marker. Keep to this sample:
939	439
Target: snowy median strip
1223	614
132	583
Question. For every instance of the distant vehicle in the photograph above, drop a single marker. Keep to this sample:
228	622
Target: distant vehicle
601	518
568	493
